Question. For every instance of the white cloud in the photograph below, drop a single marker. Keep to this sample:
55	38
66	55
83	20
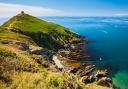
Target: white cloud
8	10
122	14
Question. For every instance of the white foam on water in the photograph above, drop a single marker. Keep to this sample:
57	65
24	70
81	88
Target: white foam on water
104	31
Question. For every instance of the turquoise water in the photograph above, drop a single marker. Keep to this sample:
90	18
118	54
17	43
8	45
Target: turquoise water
108	38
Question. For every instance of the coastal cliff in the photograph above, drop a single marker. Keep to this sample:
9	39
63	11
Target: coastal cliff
36	54
44	34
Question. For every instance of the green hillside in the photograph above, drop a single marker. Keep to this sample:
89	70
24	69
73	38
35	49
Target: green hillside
8	35
20	69
44	33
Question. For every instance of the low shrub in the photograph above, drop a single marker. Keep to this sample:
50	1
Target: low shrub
86	80
44	63
55	80
6	78
6	53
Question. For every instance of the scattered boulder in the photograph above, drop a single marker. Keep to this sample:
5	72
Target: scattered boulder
22	46
74	70
88	79
36	50
29	48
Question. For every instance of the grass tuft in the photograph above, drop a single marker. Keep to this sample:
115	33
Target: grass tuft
55	80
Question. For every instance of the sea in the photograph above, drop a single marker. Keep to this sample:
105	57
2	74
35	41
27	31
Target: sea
108	42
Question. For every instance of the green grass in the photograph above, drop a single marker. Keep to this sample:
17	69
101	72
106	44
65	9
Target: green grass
46	34
55	80
29	23
6	53
0	27
8	35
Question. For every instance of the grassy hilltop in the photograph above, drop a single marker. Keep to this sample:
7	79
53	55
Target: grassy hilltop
44	33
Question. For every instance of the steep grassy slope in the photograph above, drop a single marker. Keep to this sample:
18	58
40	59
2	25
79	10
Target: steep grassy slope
0	27
47	34
8	35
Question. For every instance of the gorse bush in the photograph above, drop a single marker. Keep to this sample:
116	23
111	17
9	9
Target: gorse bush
6	53
9	64
55	80
6	78
44	63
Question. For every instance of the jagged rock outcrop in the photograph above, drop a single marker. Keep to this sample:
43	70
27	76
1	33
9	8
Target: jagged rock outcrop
20	45
36	50
105	81
101	73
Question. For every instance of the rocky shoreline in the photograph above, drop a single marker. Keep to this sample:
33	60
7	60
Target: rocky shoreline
69	61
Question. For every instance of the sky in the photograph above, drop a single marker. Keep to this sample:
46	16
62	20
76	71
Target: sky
64	7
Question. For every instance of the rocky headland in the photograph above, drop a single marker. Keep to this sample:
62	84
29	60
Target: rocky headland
47	55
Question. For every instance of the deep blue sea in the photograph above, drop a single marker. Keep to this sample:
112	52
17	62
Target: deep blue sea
108	38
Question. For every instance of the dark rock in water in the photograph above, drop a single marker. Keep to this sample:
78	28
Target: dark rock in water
105	82
115	87
101	73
